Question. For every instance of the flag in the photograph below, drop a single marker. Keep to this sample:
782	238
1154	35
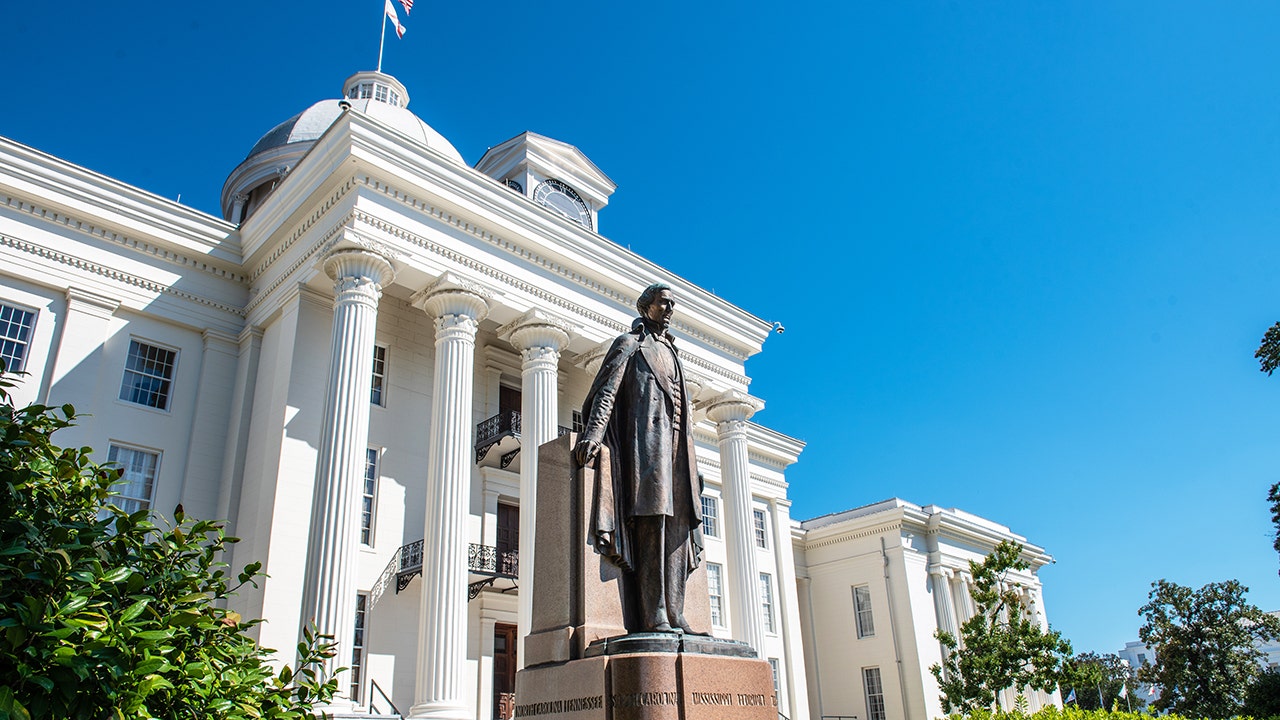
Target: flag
1151	690
408	6
1124	691
1071	697
395	19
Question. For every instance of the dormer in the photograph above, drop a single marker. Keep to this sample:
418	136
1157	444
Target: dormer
553	174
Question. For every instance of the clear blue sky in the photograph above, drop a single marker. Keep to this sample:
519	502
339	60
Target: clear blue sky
1023	251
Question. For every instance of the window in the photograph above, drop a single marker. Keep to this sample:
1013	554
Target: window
762	533
148	374
875	693
1142	658
862	610
137	483
15	336
766	602
379	396
715	588
773	665
710	516
357	647
380	92
370	495
578	424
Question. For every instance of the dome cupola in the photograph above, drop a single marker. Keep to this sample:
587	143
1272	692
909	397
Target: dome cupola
373	93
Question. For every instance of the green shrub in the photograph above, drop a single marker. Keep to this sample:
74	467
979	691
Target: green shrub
105	615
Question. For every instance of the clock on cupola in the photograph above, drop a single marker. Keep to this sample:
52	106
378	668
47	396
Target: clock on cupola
560	198
554	175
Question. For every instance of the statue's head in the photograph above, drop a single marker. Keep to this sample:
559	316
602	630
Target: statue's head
646	298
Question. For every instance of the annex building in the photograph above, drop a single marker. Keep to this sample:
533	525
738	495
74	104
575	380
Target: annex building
355	365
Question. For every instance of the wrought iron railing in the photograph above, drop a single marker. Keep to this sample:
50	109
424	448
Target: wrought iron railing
491	432
382	696
481	559
487	559
503	425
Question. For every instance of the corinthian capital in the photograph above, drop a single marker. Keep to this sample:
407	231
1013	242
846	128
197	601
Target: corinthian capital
732	406
537	329
451	295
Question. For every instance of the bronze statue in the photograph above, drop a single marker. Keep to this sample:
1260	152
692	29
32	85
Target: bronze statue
648	520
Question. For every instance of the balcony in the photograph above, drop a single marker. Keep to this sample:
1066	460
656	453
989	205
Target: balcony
486	567
502	431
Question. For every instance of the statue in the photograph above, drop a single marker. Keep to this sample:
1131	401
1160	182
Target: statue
648	519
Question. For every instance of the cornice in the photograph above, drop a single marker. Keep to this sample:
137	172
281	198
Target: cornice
301	228
262	294
854	535
70	222
117	275
714	464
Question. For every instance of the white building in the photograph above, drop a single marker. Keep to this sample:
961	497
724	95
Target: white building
355	365
903	569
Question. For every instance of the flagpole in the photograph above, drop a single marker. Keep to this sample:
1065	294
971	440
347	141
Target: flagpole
382	38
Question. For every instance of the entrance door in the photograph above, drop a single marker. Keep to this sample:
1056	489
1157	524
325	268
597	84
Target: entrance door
504	671
508	539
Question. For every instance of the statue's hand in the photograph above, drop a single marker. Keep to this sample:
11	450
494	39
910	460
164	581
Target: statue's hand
585	451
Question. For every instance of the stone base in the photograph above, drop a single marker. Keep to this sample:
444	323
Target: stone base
651	676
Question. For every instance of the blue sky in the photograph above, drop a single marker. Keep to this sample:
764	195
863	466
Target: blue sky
1023	251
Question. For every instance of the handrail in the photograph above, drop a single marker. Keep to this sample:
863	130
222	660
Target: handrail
373	685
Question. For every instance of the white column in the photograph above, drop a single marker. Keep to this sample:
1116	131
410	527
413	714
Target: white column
539	337
206	444
237	440
457	307
942	602
789	607
730	411
484	699
75	368
330	594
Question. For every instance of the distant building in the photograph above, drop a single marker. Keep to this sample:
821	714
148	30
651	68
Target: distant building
876	583
355	364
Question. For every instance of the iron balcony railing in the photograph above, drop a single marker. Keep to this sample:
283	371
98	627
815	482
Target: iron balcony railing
495	429
481	560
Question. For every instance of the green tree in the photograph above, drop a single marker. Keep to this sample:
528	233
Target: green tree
105	615
1002	645
1098	681
1205	657
1262	700
1268	353
1273	496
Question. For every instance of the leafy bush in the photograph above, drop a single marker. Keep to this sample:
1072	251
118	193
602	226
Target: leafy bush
1071	712
105	615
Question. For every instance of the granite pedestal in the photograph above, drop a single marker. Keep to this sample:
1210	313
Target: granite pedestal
580	663
651	676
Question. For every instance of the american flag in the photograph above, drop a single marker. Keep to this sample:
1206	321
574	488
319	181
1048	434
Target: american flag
408	5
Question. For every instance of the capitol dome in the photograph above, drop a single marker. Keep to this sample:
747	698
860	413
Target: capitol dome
375	94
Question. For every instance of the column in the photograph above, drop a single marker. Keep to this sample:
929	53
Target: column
789	607
457	307
730	411
199	487
238	434
484	688
539	337
940	577
330	594
75	368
